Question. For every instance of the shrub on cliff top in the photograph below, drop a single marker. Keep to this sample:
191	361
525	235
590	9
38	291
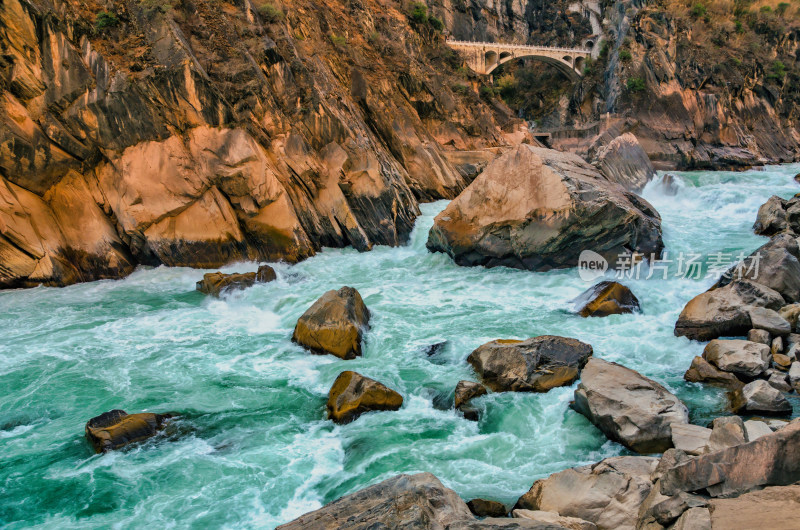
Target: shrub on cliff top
698	10
270	13
418	12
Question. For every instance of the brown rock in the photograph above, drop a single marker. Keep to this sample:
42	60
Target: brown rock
607	494
694	519
774	265
740	357
533	365
485	508
552	518
759	397
537	209
772	460
723	312
466	390
771	218
217	283
606	298
116	429
759	335
782	361
628	407
790	313
624	162
692	439
701	371
352	395
727	431
334	324
265	274
774	508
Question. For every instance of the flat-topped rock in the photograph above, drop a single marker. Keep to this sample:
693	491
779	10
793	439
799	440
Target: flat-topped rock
739	357
759	397
769	320
628	407
691	439
533	365
116	429
334	324
553	520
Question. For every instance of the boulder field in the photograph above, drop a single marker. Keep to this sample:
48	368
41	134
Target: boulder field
538	209
740	483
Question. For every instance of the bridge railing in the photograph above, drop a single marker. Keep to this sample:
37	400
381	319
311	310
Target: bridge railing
516	46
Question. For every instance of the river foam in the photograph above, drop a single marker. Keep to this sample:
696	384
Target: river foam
253	448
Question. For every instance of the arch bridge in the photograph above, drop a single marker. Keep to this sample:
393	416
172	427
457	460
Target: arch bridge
485	57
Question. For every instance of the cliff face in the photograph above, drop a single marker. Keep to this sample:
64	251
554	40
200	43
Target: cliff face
701	84
203	132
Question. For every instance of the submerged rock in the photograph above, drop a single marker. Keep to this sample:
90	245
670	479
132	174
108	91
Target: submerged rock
352	395
334	324
628	407
533	365
485	508
607	494
723	311
116	429
538	209
217	283
606	298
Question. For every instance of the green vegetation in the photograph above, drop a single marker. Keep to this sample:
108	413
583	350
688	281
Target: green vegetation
338	40
436	23
698	11
270	13
488	92
460	89
782	8
635	84
625	56
418	12
106	19
778	71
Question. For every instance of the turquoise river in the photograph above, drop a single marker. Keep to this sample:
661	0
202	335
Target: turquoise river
252	447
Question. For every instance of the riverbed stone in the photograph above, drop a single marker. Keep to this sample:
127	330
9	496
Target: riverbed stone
691	439
116	428
487	508
769	320
739	357
794	373
756	429
352	395
775	265
607	494
761	336
466	390
628	407
759	397
533	365
780	381
553	520
727	431
701	371
334	324
606	298
790	313
770	460
723	311
218	283
781	362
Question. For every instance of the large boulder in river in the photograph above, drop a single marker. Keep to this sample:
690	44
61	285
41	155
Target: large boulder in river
607	493
624	162
334	324
116	428
628	407
217	283
701	371
606	298
537	209
352	395
405	501
740	357
532	365
724	311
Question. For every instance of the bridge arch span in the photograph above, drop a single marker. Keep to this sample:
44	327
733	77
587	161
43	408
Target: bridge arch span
485	57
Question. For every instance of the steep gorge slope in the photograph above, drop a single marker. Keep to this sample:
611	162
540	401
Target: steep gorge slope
200	132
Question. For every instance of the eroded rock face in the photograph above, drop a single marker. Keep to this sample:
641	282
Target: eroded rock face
116	429
774	508
352	395
466	390
771	460
606	298
724	311
624	162
334	324
533	365
212	148
537	209
607	494
628	407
